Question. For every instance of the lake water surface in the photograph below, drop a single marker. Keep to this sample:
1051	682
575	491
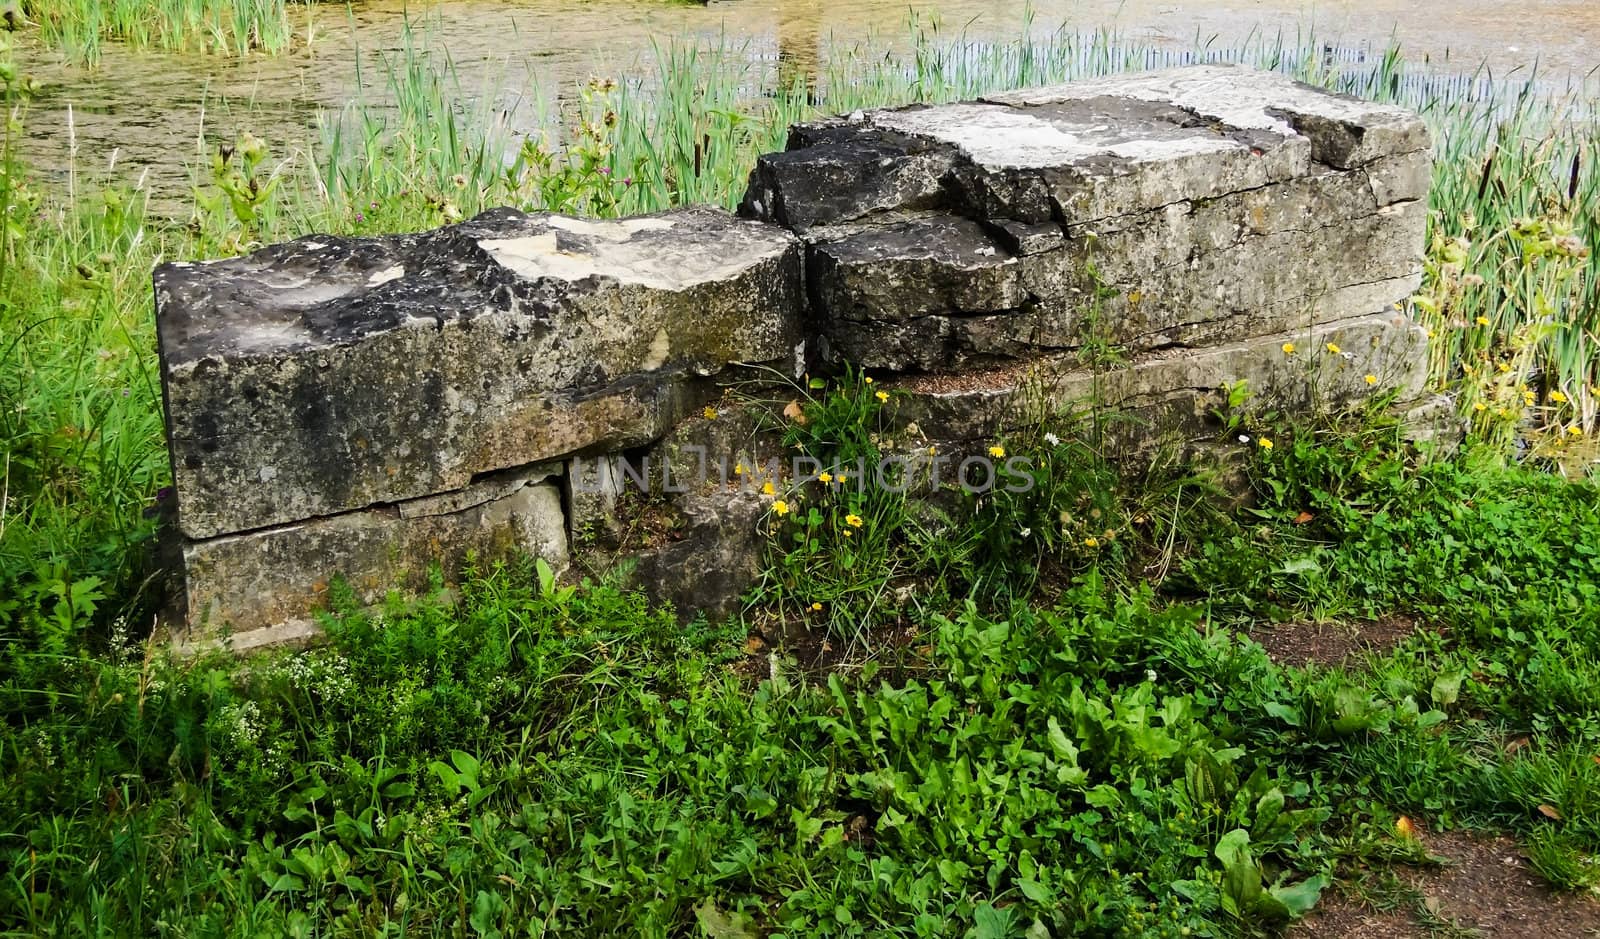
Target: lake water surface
149	111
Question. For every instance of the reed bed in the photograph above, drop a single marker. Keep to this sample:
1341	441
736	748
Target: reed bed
80	28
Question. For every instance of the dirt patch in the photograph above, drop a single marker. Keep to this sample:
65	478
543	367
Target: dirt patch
1483	887
1344	917
1488	886
898	648
1330	644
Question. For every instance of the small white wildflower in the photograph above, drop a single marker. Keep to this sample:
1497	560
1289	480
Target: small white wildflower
1150	674
1052	439
1244	438
1026	532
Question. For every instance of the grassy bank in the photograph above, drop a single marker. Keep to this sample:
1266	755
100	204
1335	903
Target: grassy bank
1105	757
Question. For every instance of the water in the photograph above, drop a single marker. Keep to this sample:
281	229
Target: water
151	115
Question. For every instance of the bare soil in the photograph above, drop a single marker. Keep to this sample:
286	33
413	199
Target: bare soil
1330	644
1483	887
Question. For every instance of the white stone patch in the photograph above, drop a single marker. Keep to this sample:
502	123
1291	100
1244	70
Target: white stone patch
1243	97
386	275
662	265
614	231
267	336
1002	137
1172	147
660	348
992	136
313	246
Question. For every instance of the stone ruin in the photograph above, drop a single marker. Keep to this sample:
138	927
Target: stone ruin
369	407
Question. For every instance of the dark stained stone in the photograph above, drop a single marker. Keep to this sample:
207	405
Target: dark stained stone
328	374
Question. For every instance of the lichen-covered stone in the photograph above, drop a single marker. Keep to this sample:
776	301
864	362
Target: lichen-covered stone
260	580
327	374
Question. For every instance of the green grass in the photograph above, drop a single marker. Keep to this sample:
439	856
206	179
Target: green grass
1081	752
1108	760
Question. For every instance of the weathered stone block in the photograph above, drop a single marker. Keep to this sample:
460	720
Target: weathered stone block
1174	207
905	270
327	374
1179	389
262	580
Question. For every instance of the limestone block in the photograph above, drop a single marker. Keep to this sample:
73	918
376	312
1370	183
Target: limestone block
266	578
331	374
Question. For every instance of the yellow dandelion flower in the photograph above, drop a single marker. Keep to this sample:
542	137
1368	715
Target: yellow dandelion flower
781	507
868	379
1371	379
1483	321
1266	443
1558	397
1333	347
848	533
1575	430
1288	348
767	489
710	413
816	608
1480	406
853	520
997	451
1091	542
825	477
1502	368
841	477
883	396
738	469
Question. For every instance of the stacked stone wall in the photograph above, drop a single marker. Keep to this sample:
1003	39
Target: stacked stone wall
366	408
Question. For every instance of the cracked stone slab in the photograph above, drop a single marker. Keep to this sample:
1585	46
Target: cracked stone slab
1181	206
1083	151
247	583
330	374
1343	131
